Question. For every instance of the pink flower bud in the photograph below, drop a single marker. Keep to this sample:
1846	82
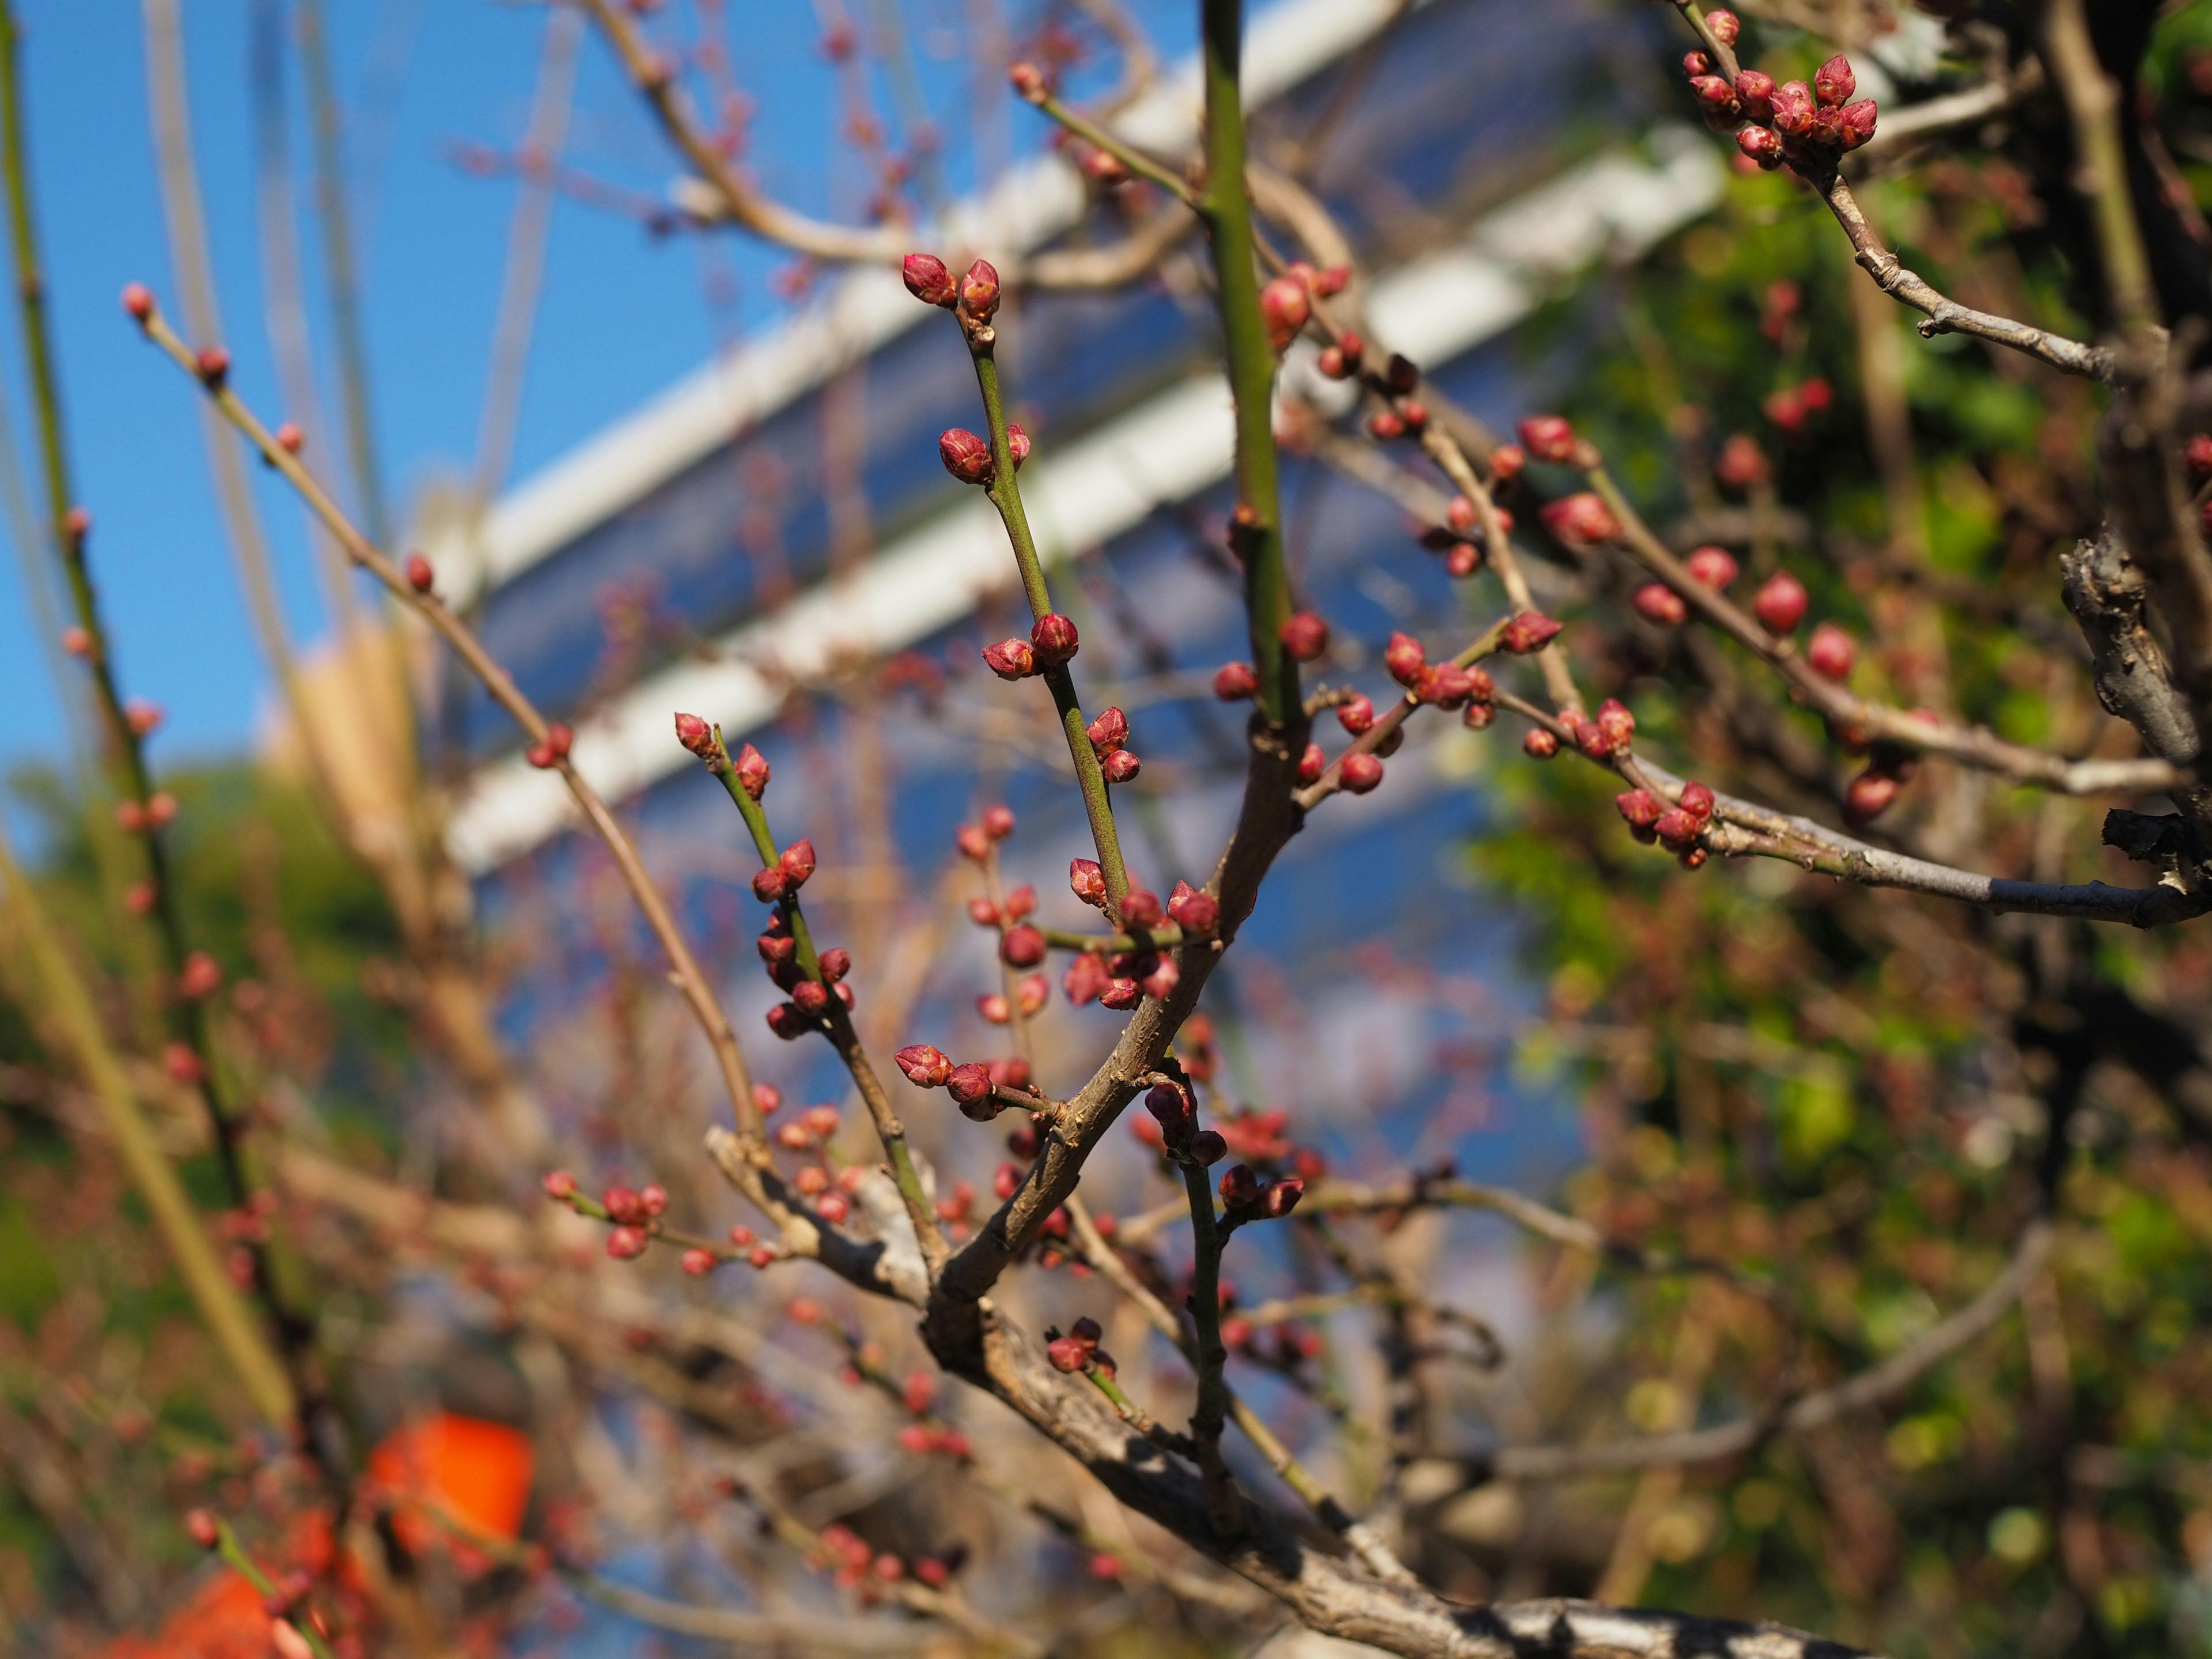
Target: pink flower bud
1022	947
1697	801
1870	793
833	1208
1760	145
1833	82
1857	123
1170	1104
1067	1354
1386	424
1312	764
972	841
787	1022
994	1009
199	977
1140	907
1793	109
143	718
1160	982
1108	732
1052	636
1029	81
698	1263
696	735
2197	454
812	999
798	863
625	1242
201	1526
1306	636
966	456
1641	809
751	769
1755	90
1831	652
1195	912
1530	631
769	884
1356	713
998	822
1446	684
1086	880
1034	991
214	365
925	1067
1580	519
559	1184
1540	743
138	301
1120	766
1405	660
1332	365
1284	308
1281	1197
1359	772
1011	659
1780	602
1656	602
1548	437
1676	828
77	641
1724	25
1695	64
1021	902
1239	1186
979	291
767	1097
420	577
1085	980
929	282
835	965
1715	95
1235	681
1616	725
182	1065
1017	443
1711	566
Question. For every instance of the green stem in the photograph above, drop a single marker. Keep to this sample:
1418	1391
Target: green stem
1135	160
1212	1356
234	1553
1228	215
837	1023
1005	494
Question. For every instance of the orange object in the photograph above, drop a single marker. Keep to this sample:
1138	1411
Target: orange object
450	1477
223	1620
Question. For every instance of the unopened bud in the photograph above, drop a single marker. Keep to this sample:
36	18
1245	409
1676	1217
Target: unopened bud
1284	307
201	976
1855	123
812	999
1580	519
1017	443
1195	912
697	1263
1086	880
785	1020
1359	772
1011	659
1120	766
1405	658
1052	637
1540	743
1780	603
1028	80
1616	725
1715	95
1109	731
1548	437
1530	631
929	282
1356	713
1831	652
1022	947
138	301
1656	602
1312	764
290	439
797	862
1208	1147
214	365
624	1243
969	1085
1869	795
1281	1197
1140	907
1235	681
204	1530
1761	144
1724	25
420	576
1640	808
769	884
1793	109
1833	82
925	1067
1085	980
979	291
1067	1354
1755	90
1239	1186
998	822
966	456
1304	636
696	735
1713	567
1676	828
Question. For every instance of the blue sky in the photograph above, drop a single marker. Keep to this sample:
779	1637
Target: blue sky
621	316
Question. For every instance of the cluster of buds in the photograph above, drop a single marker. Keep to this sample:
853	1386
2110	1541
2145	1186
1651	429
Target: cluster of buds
973	1086
1790	407
1550	438
1609	733
1460	536
552	749
1078	1350
1677	828
1780	606
157	811
858	1565
1288	1345
1110	738
1051	644
779	953
976	840
1709	567
1809	127
973	297
634	1211
1247	1196
1286	304
966	455
790	872
1449	685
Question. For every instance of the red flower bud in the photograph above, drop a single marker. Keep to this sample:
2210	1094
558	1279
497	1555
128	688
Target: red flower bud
1163	979
1359	772
787	1022
1067	1354
1755	91
1780	602
797	862
1170	1104
966	456
1697	801
1140	907
1530	631
1022	947
1869	795
1239	1186
835	965
1540	743
812	999
925	1067
1833	82
1793	107
1711	566
1086	880
1548	437
1580	519
182	1065
1676	828
199	977
1011	659
1284	307
979	291
1830	651
214	365
1312	764
696	735
769	884
1761	146
1332	364
2197	453
201	1526
625	1242
1085	980
1028	80
290	439
1657	601
1196	912
1306	636
559	1184
1120	766
751	771
1715	93
1108	732
1617	724
1281	1197
1385	425
994	1009
1356	713
138	301
1054	638
1031	994
970	1086
1405	658
1506	462
1017	443
929	282
1855	123
420	576
983	912
1235	681
1640	808
1724	25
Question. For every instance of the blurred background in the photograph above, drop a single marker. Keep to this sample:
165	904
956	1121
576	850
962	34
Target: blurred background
663	464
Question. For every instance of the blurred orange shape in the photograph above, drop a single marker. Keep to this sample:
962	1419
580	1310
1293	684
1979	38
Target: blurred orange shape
471	1475
223	1620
